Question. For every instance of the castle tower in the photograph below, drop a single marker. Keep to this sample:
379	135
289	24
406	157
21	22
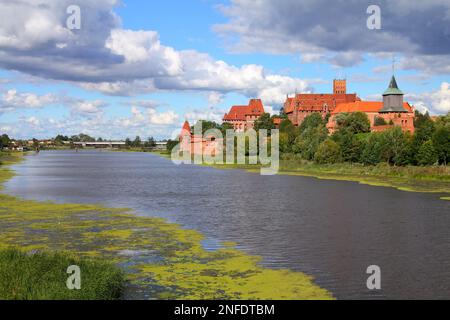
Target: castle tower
339	86
393	98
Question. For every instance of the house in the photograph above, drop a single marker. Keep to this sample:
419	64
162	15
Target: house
305	104
392	110
243	118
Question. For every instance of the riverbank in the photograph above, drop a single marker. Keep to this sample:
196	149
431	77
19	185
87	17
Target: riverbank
43	276
433	179
161	260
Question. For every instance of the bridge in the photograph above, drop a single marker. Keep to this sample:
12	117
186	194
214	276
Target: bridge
106	144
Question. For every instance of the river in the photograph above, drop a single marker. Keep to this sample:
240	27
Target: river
332	230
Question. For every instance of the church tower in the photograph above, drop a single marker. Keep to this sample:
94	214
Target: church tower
393	98
339	86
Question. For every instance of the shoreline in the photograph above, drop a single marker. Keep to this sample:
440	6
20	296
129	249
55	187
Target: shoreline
409	179
161	259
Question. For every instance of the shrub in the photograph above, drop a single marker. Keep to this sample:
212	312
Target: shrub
328	152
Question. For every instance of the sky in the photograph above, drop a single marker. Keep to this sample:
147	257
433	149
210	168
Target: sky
144	67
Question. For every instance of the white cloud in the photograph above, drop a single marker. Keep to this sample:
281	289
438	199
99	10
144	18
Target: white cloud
215	98
87	107
33	121
13	100
436	102
209	114
103	56
335	31
162	118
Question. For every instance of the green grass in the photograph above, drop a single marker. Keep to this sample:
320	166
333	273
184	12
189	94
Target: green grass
42	276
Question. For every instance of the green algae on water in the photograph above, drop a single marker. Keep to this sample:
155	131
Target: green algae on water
161	259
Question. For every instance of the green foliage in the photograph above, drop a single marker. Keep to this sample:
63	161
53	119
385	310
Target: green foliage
137	142
82	138
172	144
421	118
441	141
351	144
373	149
427	154
424	131
312	121
42	276
150	143
288	134
265	122
4	141
328	152
354	122
394	142
312	133
380	121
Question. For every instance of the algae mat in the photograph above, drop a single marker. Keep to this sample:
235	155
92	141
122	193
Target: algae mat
162	260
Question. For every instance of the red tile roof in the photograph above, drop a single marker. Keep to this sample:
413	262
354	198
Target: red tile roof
254	108
316	101
364	106
186	130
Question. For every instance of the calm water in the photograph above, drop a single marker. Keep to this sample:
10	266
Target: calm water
332	230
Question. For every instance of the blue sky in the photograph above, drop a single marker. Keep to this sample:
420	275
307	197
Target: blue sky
145	67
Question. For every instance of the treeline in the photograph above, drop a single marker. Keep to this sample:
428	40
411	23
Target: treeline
353	142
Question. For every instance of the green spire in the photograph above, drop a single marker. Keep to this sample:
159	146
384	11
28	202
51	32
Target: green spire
393	88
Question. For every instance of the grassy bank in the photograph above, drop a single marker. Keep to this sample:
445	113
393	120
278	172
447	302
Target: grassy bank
160	259
43	276
408	178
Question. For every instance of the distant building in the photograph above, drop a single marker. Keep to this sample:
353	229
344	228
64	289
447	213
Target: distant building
198	144
243	118
393	110
305	104
160	145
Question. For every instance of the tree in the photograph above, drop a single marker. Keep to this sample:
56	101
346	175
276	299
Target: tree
312	121
328	152
264	122
354	122
128	142
311	133
351	144
82	138
379	121
61	138
288	134
421	118
282	114
424	132
349	126
150	143
393	144
373	148
427	154
137	142
4	141
441	142
172	144
309	139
